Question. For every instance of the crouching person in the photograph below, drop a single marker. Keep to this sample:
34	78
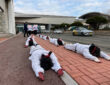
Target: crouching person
91	52
43	60
30	41
57	42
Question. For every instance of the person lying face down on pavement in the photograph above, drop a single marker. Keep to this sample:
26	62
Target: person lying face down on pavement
30	41
41	36
45	37
57	42
91	52
43	60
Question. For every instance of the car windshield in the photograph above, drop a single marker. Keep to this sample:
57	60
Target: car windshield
82	28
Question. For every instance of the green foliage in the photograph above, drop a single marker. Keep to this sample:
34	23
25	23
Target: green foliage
96	21
55	27
77	23
63	26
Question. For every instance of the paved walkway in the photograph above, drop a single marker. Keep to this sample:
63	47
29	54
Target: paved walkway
15	68
84	71
4	36
2	39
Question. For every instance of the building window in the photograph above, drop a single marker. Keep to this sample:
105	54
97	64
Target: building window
1	10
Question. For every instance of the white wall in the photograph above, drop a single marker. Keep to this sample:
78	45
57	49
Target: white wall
47	20
7	24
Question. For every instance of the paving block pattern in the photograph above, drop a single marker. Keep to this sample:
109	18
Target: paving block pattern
84	71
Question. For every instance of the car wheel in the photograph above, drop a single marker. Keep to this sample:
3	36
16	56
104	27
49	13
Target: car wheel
86	34
73	33
82	33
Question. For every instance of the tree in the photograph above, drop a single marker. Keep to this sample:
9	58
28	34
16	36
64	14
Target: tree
77	23
96	21
64	26
55	27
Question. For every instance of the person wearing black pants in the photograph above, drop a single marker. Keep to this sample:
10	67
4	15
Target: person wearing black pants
25	30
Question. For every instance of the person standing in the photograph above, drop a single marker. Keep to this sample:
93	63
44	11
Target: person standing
30	29
35	29
25	29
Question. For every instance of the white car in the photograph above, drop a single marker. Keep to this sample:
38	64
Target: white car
46	31
58	31
82	31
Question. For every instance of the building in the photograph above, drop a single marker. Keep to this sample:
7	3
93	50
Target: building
43	20
7	18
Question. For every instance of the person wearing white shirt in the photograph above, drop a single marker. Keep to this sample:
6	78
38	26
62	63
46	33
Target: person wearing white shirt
30	41
43	60
45	37
56	42
30	29
91	52
35	29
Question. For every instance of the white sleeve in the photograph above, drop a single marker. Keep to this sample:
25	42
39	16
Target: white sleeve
104	55
51	40
87	54
63	42
55	42
56	65
36	64
27	41
68	46
30	52
34	40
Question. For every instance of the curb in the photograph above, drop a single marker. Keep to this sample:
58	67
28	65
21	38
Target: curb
9	38
67	79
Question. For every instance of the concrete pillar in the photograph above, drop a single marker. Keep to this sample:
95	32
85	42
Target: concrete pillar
48	27
11	17
1	25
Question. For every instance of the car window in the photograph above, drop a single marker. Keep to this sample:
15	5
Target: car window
82	28
77	28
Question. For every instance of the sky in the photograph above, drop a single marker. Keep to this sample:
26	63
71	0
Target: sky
62	7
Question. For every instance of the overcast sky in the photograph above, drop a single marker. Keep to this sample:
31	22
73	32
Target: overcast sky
62	7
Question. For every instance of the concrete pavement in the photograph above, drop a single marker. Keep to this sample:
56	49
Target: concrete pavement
15	68
4	36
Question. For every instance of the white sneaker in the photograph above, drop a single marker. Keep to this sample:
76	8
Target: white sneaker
97	60
108	58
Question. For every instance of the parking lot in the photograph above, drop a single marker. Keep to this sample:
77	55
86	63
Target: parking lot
103	41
